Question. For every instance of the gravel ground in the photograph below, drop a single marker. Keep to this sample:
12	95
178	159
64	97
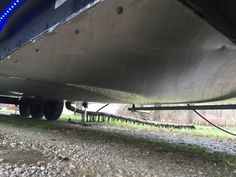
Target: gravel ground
212	144
79	152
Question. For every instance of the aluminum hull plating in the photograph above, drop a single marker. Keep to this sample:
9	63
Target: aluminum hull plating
130	51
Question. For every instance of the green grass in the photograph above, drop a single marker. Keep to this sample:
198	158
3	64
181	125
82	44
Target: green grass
72	117
205	131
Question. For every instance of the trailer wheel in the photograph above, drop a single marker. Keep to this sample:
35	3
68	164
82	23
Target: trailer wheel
24	110
53	110
36	111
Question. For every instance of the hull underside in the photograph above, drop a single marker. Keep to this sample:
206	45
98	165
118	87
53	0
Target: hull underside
129	51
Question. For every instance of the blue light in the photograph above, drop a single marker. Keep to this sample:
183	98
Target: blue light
5	15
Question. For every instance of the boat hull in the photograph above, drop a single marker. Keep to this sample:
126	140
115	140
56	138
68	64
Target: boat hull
126	51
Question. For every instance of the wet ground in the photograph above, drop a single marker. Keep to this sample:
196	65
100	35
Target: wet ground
69	150
20	156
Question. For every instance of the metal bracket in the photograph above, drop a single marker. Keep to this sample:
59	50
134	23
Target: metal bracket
189	107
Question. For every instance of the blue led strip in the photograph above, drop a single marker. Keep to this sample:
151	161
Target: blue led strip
5	15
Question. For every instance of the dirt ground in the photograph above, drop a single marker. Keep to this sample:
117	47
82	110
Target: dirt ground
68	150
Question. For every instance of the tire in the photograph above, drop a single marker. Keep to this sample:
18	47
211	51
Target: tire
36	111
53	110
24	110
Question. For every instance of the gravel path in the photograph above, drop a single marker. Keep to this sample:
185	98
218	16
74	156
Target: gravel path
78	152
212	144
